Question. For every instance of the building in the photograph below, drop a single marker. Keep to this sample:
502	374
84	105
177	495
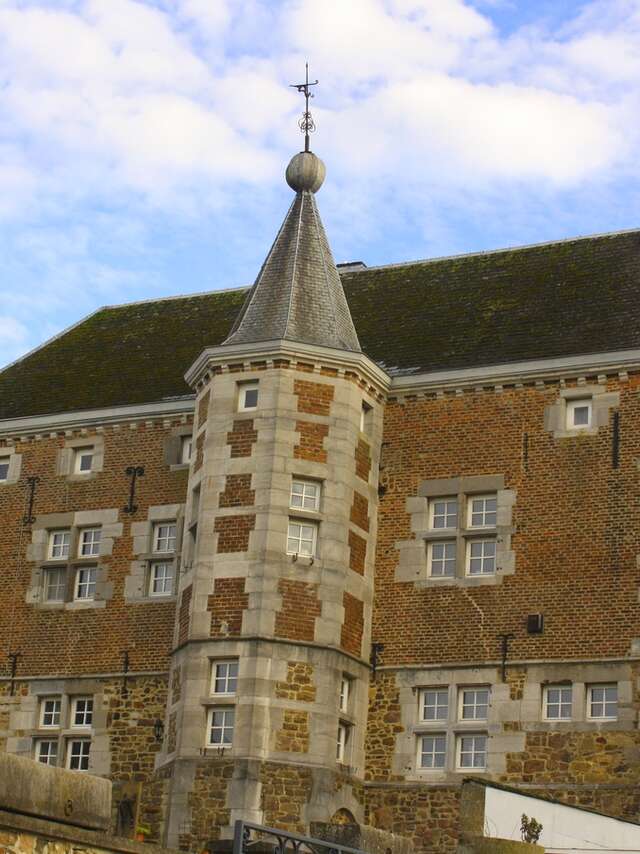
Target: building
383	536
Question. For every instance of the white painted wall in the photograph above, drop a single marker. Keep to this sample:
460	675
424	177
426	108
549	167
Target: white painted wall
564	828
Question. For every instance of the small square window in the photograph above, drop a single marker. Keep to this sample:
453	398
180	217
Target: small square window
432	751
50	712
224	677
89	543
83	460
483	511
4	468
86	583
579	414
59	544
46	751
55	584
481	557
474	704
164	537
472	751
434	704
82	712
186	448
247	396
444	513
345	693
78	750
558	701
302	538
220	727
442	560
161	579
603	702
305	495
343	743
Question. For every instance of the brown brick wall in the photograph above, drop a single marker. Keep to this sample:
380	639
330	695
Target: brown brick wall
242	438
313	398
357	552
183	614
383	725
203	407
298	684
311	445
294	735
353	626
233	533
207	804
199	460
300	607
360	511
285	792
237	491
226	604
426	815
363	460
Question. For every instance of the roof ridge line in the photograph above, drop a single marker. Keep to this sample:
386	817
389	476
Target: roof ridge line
295	262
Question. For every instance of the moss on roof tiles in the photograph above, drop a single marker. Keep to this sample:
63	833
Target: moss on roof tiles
561	299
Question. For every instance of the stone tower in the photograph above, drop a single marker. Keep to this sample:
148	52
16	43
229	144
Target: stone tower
270	668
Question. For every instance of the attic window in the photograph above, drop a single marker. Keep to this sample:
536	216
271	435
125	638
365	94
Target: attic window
579	414
83	461
4	468
247	396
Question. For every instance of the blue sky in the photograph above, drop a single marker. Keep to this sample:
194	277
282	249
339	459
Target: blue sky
143	144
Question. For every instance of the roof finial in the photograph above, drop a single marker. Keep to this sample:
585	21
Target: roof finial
306	123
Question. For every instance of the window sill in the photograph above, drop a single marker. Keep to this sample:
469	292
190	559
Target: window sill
179	466
81	478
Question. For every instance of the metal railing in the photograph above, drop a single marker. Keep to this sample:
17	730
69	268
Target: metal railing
282	842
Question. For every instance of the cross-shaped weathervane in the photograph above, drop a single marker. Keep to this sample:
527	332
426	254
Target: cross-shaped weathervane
306	123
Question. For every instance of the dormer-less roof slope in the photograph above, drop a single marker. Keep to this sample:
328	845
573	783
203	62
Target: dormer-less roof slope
570	298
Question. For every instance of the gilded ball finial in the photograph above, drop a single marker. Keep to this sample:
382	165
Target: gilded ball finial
305	172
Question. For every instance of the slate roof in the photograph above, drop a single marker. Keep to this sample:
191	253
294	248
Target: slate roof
559	299
298	295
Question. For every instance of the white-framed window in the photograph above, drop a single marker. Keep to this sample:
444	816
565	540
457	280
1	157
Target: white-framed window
434	704
473	704
4	468
342	743
220	727
50	712
472	751
59	542
443	513
442	559
89	542
224	677
161	579
86	582
432	751
164	537
481	557
305	495
345	693
82	712
579	413
55	584
302	538
78	750
602	702
247	396
46	751
186	448
557	702
83	460
483	511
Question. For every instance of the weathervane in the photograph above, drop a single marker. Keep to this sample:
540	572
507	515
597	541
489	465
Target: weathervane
306	123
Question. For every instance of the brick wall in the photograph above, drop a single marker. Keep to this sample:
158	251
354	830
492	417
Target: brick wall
242	438
311	446
237	491
226	604
353	626
300	607
233	533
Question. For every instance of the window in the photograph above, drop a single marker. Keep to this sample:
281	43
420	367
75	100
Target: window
55	584
342	742
434	705
558	702
366	418
247	396
50	712
345	692
83	460
224	677
432	751
301	538
164	537
483	511
186	447
82	712
305	495
472	751
46	751
442	560
578	414
161	579
78	754
444	513
474	704
603	702
89	543
4	468
86	582
59	544
481	557
221	722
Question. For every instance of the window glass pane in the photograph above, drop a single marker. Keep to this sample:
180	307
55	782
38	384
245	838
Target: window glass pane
558	702
221	727
443	560
226	677
50	712
482	557
86	583
248	396
185	455
82	711
54	585
483	512
59	544
164	538
4	468
305	495
345	687
300	539
475	704
161	579
78	755
433	749
603	702
343	738
445	513
47	752
90	542
435	704
473	751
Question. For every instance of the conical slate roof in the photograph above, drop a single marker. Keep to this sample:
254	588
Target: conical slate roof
298	294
